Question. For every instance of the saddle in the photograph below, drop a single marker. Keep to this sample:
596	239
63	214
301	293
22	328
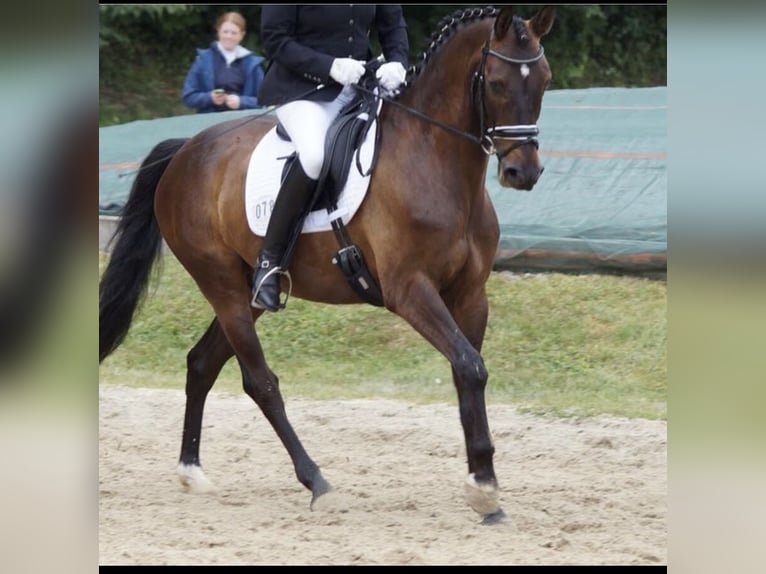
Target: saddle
342	145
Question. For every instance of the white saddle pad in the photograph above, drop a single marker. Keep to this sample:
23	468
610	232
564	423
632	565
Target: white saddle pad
265	172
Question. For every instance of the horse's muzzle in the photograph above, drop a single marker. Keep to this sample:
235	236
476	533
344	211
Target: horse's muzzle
519	174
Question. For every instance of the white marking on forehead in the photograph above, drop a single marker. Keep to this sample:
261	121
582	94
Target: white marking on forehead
524	70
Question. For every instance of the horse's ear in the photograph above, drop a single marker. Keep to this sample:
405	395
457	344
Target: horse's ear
503	22
541	23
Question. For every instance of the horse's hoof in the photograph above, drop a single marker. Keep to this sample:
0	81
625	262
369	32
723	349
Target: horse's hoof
193	479
482	497
330	501
494	518
319	488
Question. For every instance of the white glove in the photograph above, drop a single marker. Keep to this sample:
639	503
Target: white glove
346	71
391	75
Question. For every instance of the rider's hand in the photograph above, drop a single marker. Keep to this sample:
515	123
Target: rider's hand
390	76
346	71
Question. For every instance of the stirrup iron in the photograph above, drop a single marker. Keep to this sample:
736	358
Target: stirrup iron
282	303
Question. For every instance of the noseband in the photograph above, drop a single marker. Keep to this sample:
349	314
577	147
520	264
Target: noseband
521	134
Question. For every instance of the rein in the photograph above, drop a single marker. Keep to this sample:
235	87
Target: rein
421	115
522	134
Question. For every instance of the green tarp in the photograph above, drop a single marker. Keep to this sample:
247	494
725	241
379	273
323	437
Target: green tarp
600	205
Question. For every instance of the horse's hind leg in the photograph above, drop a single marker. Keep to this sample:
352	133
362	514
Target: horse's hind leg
203	364
229	294
263	387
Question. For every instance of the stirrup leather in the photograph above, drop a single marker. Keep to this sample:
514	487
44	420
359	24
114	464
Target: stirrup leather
257	288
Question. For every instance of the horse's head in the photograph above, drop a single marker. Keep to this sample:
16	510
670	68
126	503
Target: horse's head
511	81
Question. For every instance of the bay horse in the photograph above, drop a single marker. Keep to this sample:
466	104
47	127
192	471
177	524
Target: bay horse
427	229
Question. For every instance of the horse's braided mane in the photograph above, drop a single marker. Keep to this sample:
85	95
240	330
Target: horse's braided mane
444	31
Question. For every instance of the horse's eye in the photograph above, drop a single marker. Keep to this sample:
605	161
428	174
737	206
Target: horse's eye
497	87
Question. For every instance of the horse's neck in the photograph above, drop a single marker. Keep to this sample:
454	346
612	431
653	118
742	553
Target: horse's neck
443	89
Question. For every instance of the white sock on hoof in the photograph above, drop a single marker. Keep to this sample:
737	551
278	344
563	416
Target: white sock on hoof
483	498
193	479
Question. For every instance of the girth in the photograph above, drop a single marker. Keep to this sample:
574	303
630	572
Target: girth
343	141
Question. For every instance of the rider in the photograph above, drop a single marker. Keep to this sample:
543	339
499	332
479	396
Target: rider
323	47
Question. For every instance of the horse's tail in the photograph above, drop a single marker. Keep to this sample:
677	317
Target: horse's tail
138	245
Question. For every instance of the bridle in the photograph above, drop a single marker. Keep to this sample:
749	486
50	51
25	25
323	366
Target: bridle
522	134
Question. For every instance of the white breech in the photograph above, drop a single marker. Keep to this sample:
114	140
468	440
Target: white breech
307	123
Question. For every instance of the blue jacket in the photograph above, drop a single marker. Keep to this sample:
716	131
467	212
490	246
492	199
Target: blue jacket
200	82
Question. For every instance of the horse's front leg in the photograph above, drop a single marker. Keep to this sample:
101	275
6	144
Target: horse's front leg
470	309
420	304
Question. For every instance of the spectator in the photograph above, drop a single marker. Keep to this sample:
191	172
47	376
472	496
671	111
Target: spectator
225	76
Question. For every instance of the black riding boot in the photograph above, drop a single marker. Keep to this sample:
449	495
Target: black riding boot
289	208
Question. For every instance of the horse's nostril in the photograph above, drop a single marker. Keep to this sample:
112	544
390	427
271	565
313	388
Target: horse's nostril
542	169
511	173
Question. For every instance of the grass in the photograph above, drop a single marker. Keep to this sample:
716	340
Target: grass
560	344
